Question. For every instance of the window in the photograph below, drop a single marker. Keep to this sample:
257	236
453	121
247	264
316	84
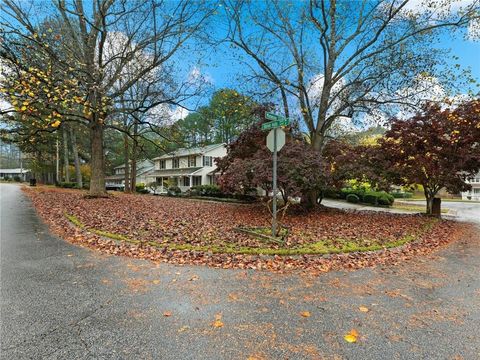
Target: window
476	191
197	180
192	161
207	161
175	163
186	181
162	164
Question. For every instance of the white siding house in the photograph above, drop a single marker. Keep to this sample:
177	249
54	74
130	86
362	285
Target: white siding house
23	174
117	180
187	167
473	194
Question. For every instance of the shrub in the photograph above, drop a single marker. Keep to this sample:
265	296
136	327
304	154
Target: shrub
353	198
140	188
347	191
371	198
17	178
206	190
174	190
331	193
385	199
67	185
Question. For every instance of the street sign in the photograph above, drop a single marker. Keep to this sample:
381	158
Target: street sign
275	124
272	116
271	139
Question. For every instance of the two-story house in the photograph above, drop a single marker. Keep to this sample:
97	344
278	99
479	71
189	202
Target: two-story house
474	193
117	180
187	167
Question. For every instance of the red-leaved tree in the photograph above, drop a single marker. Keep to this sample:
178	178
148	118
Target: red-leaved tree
248	165
438	148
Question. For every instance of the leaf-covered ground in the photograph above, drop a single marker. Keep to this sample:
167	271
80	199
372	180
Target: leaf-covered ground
194	231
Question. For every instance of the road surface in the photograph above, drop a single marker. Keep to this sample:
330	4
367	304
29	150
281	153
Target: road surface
60	301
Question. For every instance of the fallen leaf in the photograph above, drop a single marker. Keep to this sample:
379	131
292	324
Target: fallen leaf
363	309
156	281
167	313
217	323
69	255
184	328
305	313
352	336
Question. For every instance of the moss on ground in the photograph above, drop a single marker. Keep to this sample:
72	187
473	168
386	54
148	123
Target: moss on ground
322	247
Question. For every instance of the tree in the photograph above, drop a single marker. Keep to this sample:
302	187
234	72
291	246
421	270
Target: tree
439	148
333	60
248	165
97	46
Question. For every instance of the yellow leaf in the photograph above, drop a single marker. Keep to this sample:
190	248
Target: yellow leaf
350	338
23	108
363	308
217	323
56	124
156	282
305	313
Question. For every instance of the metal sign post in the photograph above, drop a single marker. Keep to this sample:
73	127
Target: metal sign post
275	142
274	181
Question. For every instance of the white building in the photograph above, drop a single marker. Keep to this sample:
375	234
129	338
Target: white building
474	193
187	167
117	180
22	174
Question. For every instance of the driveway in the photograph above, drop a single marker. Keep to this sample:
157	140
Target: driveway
59	301
460	210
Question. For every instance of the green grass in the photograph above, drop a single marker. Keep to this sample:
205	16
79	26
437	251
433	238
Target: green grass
413	207
321	247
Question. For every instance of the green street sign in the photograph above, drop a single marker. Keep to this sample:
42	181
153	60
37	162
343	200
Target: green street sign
275	124
272	116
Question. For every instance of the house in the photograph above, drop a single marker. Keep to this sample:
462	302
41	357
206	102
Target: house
117	180
187	167
474	193
20	173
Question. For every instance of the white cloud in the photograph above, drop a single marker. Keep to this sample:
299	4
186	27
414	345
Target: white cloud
197	77
438	10
473	32
165	115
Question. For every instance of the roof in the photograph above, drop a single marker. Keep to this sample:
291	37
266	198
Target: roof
14	171
175	172
189	151
115	177
139	164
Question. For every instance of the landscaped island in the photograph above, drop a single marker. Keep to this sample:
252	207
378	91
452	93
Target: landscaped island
193	231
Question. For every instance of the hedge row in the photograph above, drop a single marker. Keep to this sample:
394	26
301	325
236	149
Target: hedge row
360	195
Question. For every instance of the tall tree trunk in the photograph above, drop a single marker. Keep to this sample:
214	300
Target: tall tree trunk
97	181
65	152
133	182
57	161
126	154
429	198
76	159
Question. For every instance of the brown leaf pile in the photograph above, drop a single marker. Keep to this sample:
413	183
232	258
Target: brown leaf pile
182	221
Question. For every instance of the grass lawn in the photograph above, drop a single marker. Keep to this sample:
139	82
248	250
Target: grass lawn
183	224
413	207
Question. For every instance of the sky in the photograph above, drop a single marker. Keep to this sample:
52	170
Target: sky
220	67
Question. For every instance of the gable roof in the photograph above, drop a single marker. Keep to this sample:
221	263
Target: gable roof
190	151
140	164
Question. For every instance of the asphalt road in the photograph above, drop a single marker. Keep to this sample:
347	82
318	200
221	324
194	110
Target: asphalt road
59	301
